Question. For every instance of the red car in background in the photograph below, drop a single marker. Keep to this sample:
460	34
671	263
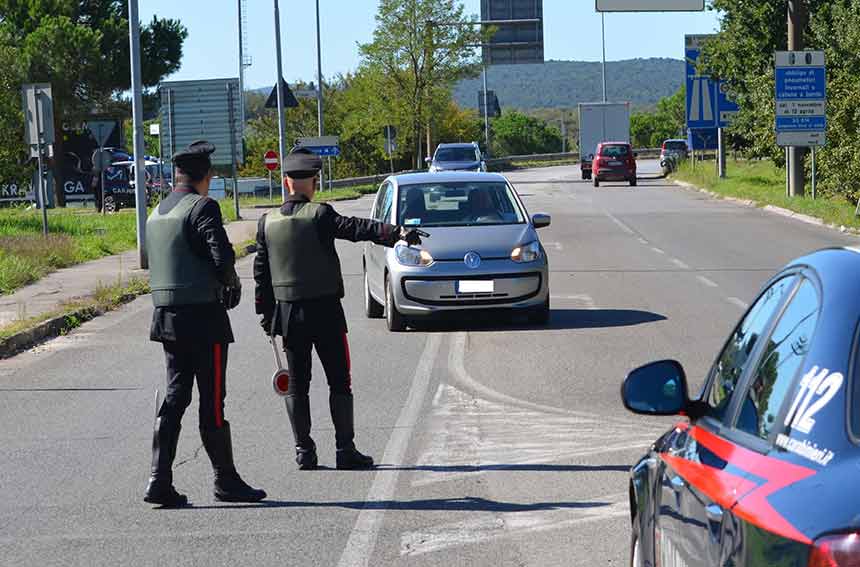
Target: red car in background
614	161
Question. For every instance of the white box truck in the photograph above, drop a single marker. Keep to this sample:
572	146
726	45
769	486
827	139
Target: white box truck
601	122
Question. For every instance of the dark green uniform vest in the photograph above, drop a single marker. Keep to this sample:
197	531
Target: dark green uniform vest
177	275
302	268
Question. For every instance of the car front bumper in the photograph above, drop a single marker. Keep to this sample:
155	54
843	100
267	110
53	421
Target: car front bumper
435	289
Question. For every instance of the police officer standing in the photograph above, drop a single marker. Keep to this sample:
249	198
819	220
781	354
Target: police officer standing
298	293
194	283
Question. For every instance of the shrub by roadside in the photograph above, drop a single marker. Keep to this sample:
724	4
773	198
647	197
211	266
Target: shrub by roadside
764	183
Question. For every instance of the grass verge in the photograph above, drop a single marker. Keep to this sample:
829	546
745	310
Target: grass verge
535	164
75	236
764	183
73	314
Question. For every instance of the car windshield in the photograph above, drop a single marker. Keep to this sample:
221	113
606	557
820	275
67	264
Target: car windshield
676	146
458	204
615	151
456	154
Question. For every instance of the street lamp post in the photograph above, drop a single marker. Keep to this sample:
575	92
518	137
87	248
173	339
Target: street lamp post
282	127
137	116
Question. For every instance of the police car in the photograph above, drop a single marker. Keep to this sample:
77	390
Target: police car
765	469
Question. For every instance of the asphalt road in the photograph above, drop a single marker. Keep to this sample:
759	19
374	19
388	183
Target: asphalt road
500	444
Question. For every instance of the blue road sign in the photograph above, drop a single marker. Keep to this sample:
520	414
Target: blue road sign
330	151
708	106
702	138
801	98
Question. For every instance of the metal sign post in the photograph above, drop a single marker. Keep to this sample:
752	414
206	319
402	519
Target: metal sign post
232	119
390	132
137	114
43	194
39	136
813	174
282	128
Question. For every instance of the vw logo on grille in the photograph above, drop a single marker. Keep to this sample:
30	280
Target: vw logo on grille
472	260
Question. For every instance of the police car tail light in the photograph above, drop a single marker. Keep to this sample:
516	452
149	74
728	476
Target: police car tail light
841	550
409	256
526	253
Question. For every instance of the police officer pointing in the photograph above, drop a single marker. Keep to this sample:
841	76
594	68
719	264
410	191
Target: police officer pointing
298	293
194	283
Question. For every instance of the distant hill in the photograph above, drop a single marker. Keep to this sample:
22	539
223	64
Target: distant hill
564	84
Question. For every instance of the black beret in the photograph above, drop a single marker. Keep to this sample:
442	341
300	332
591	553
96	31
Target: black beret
302	163
195	155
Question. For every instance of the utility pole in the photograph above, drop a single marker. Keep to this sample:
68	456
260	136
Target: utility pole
603	36
137	117
282	127
241	71
796	25
320	127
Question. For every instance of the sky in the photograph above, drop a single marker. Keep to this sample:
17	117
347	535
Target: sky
571	32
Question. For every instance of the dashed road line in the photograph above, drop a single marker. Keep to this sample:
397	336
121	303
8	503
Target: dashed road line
680	264
643	241
658	250
620	224
738	302
362	539
707	282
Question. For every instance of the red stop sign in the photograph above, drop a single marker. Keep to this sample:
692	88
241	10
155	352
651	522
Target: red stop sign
271	160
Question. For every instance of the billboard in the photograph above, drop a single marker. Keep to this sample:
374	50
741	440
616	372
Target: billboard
513	43
201	110
650	5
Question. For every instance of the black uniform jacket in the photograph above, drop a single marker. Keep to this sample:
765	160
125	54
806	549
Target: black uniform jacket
206	323
324	314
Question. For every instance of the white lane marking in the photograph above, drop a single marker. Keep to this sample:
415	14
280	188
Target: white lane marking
438	397
511	524
620	224
472	436
680	264
658	250
362	540
457	367
556	245
738	302
643	241
707	282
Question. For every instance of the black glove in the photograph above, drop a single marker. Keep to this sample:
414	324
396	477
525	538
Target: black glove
231	297
412	237
232	292
266	324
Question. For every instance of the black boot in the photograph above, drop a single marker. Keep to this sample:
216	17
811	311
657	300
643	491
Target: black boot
160	489
229	486
299	411
348	457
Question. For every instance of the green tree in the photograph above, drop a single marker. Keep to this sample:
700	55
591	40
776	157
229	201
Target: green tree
649	129
81	47
12	148
518	134
416	62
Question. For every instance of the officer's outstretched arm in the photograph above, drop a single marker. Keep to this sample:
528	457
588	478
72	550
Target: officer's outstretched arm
357	229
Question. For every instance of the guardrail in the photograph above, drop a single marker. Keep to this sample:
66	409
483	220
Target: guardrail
261	185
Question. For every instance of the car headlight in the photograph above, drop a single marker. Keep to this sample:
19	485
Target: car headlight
526	253
409	256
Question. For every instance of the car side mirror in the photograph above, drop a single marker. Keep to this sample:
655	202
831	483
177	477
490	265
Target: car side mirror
428	160
541	220
659	388
635	154
251	249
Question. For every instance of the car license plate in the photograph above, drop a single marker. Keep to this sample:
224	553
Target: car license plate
475	286
614	163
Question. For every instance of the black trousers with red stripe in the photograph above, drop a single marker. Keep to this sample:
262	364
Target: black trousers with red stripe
207	363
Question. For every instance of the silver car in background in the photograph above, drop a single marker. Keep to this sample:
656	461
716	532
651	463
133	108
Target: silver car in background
483	251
